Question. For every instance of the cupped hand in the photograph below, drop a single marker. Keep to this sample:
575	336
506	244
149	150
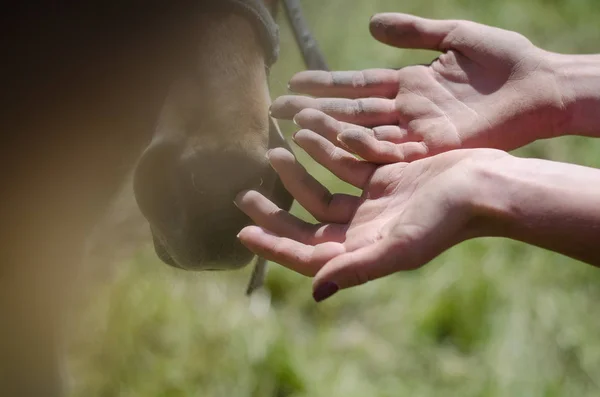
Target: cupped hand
408	214
489	88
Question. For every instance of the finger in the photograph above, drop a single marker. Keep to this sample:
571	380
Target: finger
269	216
408	31
266	214
381	152
346	84
366	112
337	160
310	193
356	268
390	133
323	124
330	128
299	257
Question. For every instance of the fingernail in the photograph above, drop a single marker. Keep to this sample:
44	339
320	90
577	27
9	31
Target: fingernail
294	121
324	291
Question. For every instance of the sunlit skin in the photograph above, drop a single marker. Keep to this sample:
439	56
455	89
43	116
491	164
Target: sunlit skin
409	213
428	181
502	92
84	85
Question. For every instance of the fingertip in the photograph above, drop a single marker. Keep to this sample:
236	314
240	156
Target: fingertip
342	142
239	198
378	16
299	80
305	116
283	107
242	235
325	291
302	134
378	23
248	235
279	154
293	83
243	198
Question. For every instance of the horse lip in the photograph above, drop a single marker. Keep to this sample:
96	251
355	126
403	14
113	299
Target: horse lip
163	254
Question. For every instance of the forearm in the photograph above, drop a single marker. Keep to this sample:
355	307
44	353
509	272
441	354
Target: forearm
552	205
578	77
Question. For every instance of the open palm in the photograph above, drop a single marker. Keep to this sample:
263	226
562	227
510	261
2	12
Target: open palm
489	88
407	214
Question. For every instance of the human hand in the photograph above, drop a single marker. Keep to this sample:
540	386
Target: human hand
490	88
408	214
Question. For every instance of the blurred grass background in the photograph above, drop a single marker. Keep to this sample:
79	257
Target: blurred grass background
487	318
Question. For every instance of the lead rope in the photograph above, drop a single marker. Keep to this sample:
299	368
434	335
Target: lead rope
311	53
314	60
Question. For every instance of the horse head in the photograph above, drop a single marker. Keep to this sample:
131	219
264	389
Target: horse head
210	143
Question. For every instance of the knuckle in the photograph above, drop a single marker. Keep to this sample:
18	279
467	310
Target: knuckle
277	250
358	108
336	154
459	33
358	276
411	75
380	134
359	80
274	212
322	210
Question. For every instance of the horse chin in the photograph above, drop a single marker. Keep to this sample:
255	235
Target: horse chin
199	244
188	201
237	257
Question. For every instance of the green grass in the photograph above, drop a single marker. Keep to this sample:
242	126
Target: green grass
487	318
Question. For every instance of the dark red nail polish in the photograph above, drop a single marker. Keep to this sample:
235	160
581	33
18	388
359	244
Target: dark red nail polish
324	291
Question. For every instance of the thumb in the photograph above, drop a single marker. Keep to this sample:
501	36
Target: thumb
358	267
408	31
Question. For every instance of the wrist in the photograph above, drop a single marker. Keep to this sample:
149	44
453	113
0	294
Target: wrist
548	204
487	197
496	202
578	79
